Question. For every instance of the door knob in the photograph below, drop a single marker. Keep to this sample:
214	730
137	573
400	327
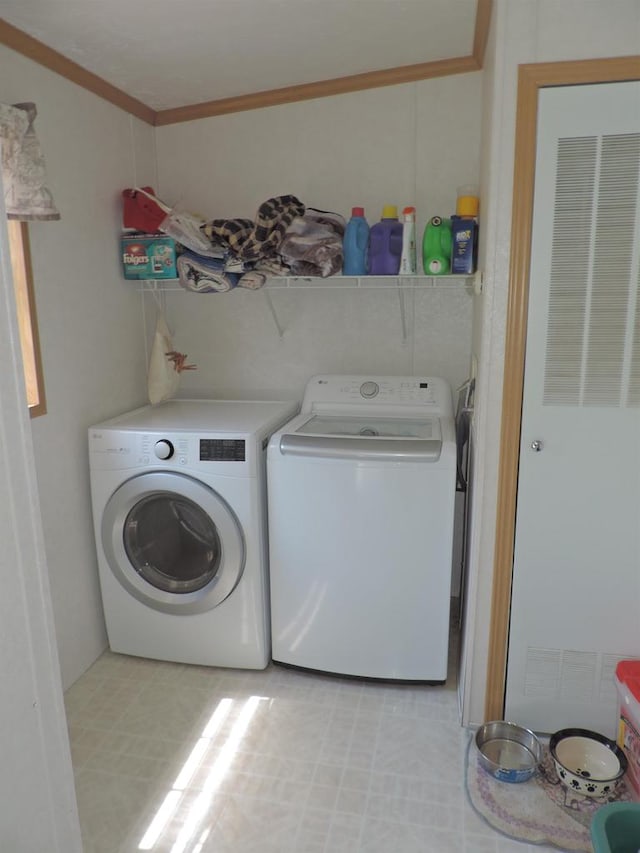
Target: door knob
537	445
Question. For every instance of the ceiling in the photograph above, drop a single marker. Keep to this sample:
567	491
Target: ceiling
170	54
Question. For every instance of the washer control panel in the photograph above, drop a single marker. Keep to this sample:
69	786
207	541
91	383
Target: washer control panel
157	447
163	449
433	393
121	449
369	389
222	450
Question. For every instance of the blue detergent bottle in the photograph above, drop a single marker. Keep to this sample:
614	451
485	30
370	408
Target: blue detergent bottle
355	244
385	243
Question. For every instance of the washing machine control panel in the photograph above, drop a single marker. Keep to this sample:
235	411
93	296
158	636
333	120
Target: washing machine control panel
369	389
152	448
163	449
423	392
219	454
222	450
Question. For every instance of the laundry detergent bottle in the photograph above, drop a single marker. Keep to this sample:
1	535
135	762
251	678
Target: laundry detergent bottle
385	243
408	260
436	246
355	244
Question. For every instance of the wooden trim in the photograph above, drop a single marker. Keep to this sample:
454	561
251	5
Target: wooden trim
30	47
615	69
481	33
37	51
39	408
20	251
531	79
522	210
321	89
342	85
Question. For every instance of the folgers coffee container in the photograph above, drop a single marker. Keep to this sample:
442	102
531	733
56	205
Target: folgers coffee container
148	256
385	243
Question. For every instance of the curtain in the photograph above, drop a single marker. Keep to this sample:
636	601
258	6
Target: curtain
26	194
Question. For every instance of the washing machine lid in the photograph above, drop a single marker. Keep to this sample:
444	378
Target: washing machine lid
366	437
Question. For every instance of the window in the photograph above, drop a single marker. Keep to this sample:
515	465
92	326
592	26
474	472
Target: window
27	320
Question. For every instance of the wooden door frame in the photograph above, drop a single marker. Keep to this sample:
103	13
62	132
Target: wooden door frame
531	78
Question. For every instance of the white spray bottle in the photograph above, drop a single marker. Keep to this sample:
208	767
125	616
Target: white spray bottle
408	258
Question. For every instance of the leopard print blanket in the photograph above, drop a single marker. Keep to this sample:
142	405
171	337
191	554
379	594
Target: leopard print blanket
253	241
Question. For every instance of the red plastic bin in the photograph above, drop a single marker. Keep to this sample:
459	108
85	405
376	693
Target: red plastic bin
628	739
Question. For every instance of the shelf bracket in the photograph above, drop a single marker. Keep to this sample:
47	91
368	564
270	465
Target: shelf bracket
403	313
274	316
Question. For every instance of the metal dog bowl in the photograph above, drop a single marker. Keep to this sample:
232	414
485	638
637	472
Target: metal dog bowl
507	751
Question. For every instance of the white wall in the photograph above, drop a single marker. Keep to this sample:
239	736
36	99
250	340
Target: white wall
523	31
409	144
405	144
36	779
394	145
93	350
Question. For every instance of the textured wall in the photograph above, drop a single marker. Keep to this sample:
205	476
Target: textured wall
93	350
523	31
411	144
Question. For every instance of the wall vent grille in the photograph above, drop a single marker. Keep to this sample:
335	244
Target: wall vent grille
593	328
571	676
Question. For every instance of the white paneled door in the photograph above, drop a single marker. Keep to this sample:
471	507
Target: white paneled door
575	608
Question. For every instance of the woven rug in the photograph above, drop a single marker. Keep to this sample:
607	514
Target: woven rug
540	811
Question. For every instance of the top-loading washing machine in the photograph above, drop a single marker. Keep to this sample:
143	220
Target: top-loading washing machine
179	506
361	489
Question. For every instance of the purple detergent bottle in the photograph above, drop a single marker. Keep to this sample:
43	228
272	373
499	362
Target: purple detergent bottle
385	243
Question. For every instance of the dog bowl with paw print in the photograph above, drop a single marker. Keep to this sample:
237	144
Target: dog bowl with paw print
587	762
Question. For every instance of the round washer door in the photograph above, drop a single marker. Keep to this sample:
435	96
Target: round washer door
173	542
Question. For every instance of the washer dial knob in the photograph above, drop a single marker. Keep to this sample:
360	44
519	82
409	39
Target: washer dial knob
369	389
163	449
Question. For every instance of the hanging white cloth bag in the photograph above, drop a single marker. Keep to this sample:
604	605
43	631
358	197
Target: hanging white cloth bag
163	378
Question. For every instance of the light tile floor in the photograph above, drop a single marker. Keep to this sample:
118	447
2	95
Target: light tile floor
183	759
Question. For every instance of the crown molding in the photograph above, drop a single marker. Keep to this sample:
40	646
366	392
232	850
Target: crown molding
481	32
320	89
35	50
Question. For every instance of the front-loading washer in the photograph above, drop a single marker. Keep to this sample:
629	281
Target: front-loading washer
178	495
361	489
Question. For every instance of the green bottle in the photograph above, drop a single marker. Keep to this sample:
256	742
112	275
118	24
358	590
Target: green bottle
436	246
